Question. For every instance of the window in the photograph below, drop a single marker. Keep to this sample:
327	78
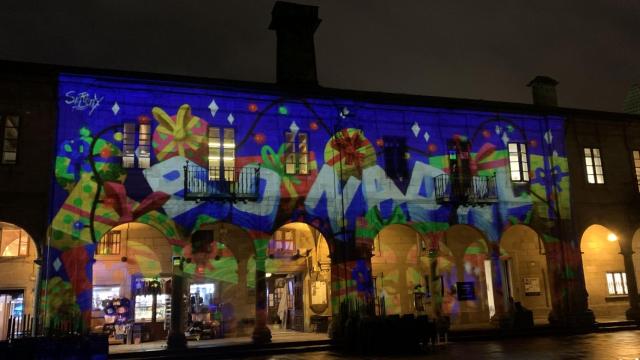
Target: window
636	165
593	164
617	283
283	243
104	293
10	139
222	153
129	146
296	153
395	161
109	244
14	242
518	162
144	146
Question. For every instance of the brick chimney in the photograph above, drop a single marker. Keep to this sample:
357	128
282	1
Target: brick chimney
295	25
543	89
632	100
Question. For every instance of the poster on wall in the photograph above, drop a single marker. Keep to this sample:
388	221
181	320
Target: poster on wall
466	290
531	285
319	293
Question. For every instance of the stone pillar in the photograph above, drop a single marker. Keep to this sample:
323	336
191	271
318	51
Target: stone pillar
633	313
261	333
176	339
499	295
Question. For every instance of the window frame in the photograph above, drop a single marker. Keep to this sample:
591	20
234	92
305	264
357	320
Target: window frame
623	280
525	178
401	164
3	132
109	243
293	151
283	251
220	156
593	165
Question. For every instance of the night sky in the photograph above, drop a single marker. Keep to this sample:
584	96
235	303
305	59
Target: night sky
461	48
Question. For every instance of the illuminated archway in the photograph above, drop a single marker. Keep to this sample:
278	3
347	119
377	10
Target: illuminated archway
604	273
399	266
222	267
298	271
468	286
525	265
18	274
132	265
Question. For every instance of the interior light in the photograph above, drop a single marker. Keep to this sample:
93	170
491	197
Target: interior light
612	237
267	275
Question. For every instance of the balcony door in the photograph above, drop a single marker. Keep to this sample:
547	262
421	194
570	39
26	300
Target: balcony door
459	153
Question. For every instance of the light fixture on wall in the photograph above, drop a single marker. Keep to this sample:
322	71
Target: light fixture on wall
612	237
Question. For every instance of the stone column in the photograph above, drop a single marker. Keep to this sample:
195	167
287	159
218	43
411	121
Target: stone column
633	313
176	338
261	333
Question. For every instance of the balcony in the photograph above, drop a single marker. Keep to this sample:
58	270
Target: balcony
465	190
221	184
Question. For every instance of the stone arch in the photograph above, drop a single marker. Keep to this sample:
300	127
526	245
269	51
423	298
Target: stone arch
223	259
526	269
18	271
469	291
399	264
604	268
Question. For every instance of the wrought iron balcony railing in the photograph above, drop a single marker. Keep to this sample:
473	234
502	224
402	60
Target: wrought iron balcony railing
221	184
465	190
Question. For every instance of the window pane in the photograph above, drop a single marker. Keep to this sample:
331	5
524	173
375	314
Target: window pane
636	155
600	179
525	176
513	147
587	151
624	283
591	179
611	289
596	152
515	175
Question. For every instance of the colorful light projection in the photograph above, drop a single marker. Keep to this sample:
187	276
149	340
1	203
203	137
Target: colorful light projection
345	182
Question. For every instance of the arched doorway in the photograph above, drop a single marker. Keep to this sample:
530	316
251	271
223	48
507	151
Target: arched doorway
400	268
18	274
298	279
469	296
221	282
604	273
525	265
132	284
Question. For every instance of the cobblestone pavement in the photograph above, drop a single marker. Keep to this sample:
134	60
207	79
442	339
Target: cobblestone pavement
622	345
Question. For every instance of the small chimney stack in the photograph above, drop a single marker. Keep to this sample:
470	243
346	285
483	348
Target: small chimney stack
543	89
632	101
295	25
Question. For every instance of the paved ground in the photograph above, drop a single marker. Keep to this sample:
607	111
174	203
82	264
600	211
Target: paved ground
621	345
277	336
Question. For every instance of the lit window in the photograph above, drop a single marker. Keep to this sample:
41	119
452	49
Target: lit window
129	145
222	153
636	165
144	146
296	153
518	162
617	283
395	161
593	163
104	293
10	139
283	243
109	244
14	242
